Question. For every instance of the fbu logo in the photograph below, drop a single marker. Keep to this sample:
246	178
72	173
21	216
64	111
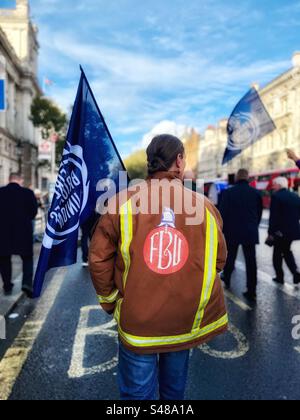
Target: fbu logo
166	250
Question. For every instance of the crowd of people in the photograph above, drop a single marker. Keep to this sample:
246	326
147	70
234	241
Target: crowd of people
164	264
241	207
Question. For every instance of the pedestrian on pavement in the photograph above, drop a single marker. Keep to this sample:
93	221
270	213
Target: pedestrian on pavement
158	274
17	212
292	155
241	208
284	228
86	235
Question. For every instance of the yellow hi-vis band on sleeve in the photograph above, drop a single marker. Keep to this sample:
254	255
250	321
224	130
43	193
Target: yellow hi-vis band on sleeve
145	342
126	237
109	299
210	268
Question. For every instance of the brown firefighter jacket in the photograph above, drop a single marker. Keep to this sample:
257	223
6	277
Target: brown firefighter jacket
158	272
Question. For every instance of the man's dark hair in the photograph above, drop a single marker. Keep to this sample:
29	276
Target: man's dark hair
163	152
242	175
15	175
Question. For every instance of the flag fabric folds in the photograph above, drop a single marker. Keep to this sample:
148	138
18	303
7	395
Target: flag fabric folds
89	156
249	122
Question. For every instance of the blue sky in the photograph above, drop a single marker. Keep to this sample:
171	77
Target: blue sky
155	60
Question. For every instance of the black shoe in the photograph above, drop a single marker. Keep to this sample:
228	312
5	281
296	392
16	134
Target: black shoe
278	281
8	290
225	281
28	292
297	278
250	296
227	285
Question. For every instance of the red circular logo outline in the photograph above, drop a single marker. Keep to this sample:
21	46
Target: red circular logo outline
166	250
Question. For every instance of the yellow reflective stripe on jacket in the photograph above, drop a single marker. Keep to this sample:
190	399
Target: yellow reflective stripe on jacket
126	237
210	268
117	311
109	299
171	340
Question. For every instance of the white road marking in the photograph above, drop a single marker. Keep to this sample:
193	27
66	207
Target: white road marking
15	358
242	305
288	289
241	350
13	361
77	370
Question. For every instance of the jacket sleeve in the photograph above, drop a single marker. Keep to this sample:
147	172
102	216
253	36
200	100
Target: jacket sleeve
224	206
260	207
298	164
32	205
222	247
102	254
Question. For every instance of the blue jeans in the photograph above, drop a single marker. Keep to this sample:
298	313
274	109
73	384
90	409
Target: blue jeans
140	377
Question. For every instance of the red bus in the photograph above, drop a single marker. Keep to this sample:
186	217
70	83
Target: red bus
263	182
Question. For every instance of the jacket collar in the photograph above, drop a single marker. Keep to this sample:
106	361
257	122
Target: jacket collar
13	185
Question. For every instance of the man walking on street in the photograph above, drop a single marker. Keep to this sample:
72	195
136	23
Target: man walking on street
241	208
17	211
159	275
284	228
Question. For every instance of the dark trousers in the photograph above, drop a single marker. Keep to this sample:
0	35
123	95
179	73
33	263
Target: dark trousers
251	265
282	251
6	271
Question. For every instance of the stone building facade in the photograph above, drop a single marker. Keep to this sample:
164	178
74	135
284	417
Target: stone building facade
282	100
191	141
18	66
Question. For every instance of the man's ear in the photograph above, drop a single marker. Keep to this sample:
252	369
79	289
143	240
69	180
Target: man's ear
179	160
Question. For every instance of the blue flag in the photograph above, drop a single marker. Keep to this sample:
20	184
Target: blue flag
249	122
89	156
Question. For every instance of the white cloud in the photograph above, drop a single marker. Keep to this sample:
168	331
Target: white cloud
165	127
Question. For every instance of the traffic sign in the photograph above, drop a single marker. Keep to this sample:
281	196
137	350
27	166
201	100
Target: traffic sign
2	95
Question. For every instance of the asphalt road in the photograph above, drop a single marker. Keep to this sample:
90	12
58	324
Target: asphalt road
65	347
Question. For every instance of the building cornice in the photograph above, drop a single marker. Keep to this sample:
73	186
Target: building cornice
5	44
283	78
23	72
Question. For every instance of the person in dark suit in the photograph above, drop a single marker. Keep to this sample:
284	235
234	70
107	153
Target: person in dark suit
284	228
17	211
241	208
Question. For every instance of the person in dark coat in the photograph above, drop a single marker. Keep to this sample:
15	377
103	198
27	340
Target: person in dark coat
284	228
18	209
241	208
